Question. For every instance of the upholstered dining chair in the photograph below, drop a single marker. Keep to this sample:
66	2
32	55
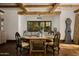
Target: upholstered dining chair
20	45
55	44
38	46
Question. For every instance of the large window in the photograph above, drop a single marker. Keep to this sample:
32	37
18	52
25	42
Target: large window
34	26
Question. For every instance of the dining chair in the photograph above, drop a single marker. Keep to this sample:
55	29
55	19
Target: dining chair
56	42
54	46
20	45
38	46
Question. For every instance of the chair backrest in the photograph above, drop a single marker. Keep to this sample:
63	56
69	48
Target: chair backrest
18	39
56	39
55	30
38	44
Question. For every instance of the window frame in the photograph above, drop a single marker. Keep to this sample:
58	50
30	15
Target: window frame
30	26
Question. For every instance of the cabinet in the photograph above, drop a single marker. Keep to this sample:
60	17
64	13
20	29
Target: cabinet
2	31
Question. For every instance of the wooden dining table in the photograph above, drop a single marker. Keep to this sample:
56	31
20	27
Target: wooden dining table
34	38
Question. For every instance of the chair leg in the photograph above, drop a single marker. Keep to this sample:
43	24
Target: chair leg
17	52
58	51
53	52
21	52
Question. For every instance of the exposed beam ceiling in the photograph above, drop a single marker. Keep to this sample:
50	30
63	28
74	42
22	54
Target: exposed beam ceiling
76	11
50	7
39	13
54	6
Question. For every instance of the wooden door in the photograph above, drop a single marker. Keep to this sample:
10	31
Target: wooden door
0	37
0	30
76	29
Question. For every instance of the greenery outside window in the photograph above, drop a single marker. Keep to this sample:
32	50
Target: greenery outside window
34	26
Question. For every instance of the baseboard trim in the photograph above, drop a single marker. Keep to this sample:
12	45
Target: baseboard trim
8	41
11	40
63	41
2	44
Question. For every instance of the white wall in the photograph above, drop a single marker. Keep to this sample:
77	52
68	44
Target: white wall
57	20
66	13
19	23
22	24
11	23
23	21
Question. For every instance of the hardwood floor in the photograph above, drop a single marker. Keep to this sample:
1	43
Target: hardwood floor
9	49
69	50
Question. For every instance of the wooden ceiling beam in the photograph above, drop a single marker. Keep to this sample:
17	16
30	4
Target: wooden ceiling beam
39	13
1	11
51	7
36	6
76	11
8	6
21	6
69	5
28	6
54	6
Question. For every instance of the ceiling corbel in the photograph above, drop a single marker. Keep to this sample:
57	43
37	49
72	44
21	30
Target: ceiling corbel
76	11
54	6
21	6
1	11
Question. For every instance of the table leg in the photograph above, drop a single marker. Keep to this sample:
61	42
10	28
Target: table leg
45	49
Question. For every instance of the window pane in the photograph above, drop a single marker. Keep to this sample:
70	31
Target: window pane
34	26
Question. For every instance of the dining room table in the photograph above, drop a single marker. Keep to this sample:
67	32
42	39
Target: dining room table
36	38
